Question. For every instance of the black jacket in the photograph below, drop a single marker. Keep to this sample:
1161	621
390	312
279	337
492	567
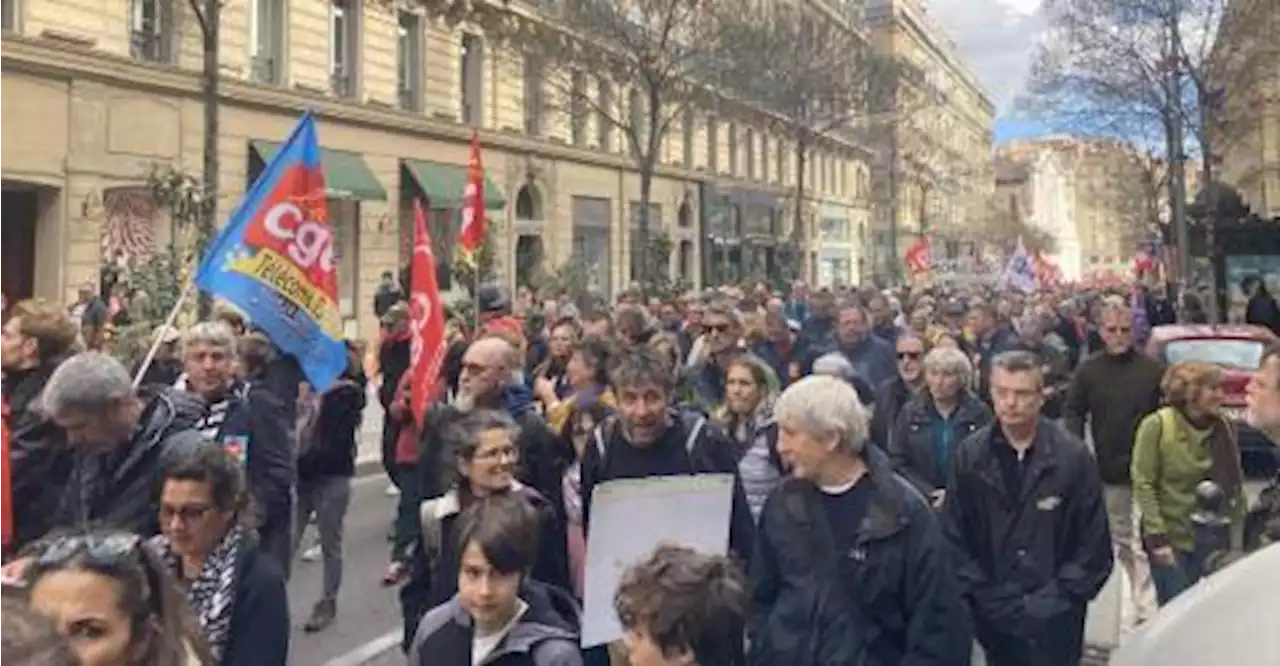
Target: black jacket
433	569
260	622
914	445
256	423
892	600
546	634
39	455
890	399
1029	566
337	432
117	489
713	452
1114	393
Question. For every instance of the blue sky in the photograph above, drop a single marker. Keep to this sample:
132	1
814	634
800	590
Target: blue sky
996	39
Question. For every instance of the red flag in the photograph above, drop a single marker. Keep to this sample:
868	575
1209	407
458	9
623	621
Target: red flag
918	256
426	319
473	221
6	509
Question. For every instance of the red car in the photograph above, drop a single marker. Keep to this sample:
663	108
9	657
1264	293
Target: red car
1237	349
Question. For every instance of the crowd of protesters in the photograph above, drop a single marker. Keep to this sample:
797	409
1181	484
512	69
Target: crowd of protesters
921	476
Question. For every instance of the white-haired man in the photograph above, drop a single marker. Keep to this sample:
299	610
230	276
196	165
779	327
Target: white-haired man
851	539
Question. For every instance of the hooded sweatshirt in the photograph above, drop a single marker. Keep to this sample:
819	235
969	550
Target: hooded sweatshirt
545	633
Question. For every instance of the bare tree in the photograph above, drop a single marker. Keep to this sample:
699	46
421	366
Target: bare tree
636	66
813	69
208	16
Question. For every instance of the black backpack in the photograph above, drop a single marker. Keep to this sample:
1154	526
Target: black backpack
692	423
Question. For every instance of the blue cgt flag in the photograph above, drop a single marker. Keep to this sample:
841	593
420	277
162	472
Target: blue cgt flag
274	259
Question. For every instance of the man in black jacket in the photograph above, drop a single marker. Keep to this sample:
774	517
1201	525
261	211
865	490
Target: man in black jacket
851	566
1114	390
122	439
895	393
249	421
1025	515
37	337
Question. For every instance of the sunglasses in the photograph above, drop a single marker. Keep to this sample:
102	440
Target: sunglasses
718	328
1118	329
909	356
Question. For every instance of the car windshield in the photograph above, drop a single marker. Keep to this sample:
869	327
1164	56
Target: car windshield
1232	354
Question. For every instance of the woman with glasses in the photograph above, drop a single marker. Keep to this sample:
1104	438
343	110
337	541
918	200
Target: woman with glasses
934	422
114	600
236	592
481	460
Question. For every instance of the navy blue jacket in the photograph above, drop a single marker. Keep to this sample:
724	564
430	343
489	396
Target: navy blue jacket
257	424
892	600
260	621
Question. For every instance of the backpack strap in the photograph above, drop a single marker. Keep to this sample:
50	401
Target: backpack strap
695	431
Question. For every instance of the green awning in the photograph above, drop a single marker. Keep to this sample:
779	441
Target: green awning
444	184
346	175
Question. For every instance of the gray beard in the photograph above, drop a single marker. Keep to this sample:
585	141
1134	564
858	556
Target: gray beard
464	402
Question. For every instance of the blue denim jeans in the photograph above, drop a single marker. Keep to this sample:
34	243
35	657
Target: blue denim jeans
1172	580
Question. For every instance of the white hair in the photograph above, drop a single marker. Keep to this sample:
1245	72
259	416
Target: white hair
949	361
834	364
213	333
820	406
88	382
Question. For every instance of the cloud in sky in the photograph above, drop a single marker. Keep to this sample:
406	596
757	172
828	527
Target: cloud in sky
996	39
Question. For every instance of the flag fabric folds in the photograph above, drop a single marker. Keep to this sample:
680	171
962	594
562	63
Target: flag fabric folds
426	320
275	259
1020	272
473	231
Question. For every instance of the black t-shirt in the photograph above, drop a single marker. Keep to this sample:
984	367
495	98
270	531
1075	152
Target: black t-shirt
845	511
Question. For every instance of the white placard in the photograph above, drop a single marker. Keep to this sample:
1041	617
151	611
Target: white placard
632	517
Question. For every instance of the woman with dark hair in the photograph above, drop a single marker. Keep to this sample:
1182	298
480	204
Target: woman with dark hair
577	432
236	592
28	638
549	379
481	458
114	600
587	374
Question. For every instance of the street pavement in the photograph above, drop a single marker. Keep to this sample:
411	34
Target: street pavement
367	629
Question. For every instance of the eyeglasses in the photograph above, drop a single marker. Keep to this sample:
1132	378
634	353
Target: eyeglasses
909	356
104	548
718	328
498	454
1121	330
185	514
475	368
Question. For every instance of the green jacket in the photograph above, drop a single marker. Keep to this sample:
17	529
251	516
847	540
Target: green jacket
1171	457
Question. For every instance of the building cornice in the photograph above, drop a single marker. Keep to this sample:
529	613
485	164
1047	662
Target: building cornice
58	60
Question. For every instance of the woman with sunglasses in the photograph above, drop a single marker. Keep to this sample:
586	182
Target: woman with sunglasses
236	592
113	599
482	457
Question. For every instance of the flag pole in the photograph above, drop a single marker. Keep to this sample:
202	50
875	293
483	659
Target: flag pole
475	291
156	339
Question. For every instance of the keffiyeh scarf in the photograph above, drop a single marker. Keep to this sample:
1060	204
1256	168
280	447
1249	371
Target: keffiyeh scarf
212	595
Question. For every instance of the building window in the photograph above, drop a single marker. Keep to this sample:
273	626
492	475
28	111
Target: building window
604	122
636	119
9	16
713	145
150	30
764	158
686	266
409	61
472	80
782	162
266	41
733	149
686	129
751	154
345	218
533	99
578	108
344	35
654	227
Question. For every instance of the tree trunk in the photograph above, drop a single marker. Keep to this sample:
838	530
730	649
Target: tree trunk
642	239
797	220
208	218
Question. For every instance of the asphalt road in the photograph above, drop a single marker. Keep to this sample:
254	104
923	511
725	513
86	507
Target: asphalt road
367	611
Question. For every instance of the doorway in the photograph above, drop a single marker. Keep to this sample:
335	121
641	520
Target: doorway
19	220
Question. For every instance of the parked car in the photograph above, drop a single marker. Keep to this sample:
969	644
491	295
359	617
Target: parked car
1237	349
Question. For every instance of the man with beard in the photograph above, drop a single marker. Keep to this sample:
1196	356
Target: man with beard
37	337
872	357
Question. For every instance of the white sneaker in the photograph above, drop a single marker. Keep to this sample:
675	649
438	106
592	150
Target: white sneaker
311	554
392	491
